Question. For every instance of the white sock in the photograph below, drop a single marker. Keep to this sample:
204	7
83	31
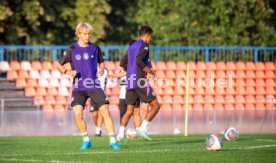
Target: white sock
85	136
98	130
137	128
112	138
122	130
144	126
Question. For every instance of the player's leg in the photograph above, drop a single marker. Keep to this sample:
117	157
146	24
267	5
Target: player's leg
101	102
148	96
78	104
145	110
131	98
99	125
136	115
122	108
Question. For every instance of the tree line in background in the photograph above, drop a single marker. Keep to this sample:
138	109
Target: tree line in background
115	22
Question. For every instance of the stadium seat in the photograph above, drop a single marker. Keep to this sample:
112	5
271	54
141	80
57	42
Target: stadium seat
160	73
38	100
250	91
209	99
270	91
32	82
12	75
250	74
21	83
240	90
55	74
239	99
211	74
178	100
200	74
260	74
34	74
4	66
198	99
221	66
61	100
269	74
53	82
153	65
15	65
219	91
23	74
270	83
63	91
179	91
199	91
260	83
60	108
45	74
260	66
239	82
250	82
211	66
250	66
41	91
219	99
249	99
26	65
220	74
43	83
210	91
229	107
259	99
50	100
180	65
159	91
169	91
171	65
240	74
201	66
52	92
260	91
170	74
230	74
48	108
219	107
65	82
229	99
30	92
47	65
36	65
269	66
240	65
192	65
230	91
167	99
250	107
230	66
160	65
166	107
198	107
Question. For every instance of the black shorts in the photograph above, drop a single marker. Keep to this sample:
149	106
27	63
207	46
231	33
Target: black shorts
140	94
123	107
98	98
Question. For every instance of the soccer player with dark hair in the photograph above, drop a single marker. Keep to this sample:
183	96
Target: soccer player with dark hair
137	64
84	58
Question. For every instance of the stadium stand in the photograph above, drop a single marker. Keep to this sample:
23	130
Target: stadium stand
252	85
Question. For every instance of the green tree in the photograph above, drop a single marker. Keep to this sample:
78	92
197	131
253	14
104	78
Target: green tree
208	22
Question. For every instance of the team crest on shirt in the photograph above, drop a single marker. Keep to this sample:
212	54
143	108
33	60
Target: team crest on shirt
85	56
92	56
146	48
64	53
78	57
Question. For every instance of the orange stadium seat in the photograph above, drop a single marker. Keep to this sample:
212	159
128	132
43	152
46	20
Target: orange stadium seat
192	65
211	66
200	74
36	65
60	107
65	82
48	108
240	74
52	91
15	65
178	100
250	74
259	99
50	100
230	91
269	66
180	65
34	74
230	66
45	74
270	83
179	91
198	99
171	65
240	91
47	65
39	100
240	65
167	99
55	74
260	74
209	99
250	66
160	65
23	74
201	66
63	91
199	91
220	74
41	91
219	99
21	83
26	65
31	82
260	66
210	91
250	82
12	75
239	82
239	99
43	83
260	83
62	100
250	91
230	73
160	73
249	99
153	65
4	66
229	99
170	74
219	91
269	74
198	107
30	92
270	91
260	91
221	66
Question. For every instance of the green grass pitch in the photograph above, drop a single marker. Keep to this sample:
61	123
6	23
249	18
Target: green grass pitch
163	148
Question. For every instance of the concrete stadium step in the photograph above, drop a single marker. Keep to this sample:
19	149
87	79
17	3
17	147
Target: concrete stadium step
18	102
21	108
12	92
5	83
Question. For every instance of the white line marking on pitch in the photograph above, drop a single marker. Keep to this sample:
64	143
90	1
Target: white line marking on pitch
261	146
269	140
51	161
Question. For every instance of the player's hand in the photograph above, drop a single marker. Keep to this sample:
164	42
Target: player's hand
100	73
71	73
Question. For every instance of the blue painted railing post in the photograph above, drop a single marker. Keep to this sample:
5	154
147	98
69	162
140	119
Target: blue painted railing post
206	54
255	55
54	54
106	55
156	54
1	54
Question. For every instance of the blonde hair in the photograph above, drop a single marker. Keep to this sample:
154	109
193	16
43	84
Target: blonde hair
83	26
